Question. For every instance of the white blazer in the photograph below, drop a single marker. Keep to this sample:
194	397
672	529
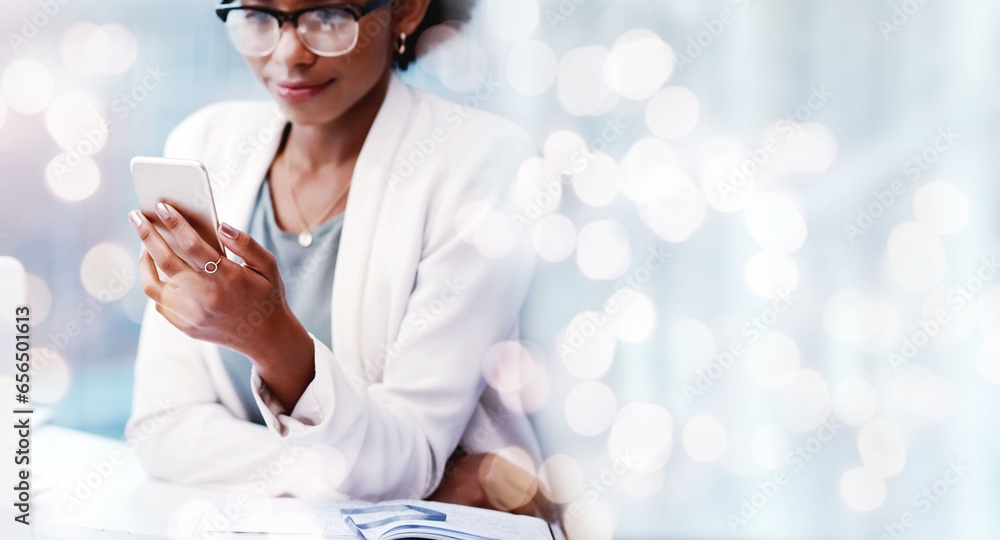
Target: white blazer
416	304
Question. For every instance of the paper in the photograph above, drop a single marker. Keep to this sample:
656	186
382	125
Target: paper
301	516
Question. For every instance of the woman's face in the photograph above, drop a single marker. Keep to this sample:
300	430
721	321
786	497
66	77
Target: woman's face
345	79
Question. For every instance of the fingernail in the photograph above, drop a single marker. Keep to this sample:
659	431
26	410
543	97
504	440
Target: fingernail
161	210
228	231
134	219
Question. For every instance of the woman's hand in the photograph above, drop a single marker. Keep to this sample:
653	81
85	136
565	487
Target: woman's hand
492	482
242	307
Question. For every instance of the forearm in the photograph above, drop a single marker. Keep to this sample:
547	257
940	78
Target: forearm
287	363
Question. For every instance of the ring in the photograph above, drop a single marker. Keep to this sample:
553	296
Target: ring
213	264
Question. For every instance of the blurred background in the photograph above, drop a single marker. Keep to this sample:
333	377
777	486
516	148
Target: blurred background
789	203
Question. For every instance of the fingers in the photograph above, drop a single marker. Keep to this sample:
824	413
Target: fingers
152	287
158	249
190	242
162	294
254	255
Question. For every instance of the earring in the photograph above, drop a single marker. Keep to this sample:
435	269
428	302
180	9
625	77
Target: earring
401	48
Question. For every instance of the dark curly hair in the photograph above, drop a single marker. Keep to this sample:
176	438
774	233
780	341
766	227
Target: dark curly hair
438	11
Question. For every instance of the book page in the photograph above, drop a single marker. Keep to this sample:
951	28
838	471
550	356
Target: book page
303	516
473	521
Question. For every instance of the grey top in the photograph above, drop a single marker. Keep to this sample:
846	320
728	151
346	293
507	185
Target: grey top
308	276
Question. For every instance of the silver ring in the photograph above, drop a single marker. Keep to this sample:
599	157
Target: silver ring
213	264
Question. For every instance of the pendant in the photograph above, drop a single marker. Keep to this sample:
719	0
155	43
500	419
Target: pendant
305	239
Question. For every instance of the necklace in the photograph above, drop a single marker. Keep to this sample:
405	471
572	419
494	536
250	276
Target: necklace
306	237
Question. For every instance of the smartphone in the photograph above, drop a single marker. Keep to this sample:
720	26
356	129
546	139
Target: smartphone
185	185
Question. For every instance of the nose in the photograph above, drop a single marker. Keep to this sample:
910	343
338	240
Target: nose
290	49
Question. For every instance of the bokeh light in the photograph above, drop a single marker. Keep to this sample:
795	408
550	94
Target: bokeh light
773	358
803	401
942	207
677	212
881	447
603	250
455	57
705	438
775	223
560	478
581	85
72	178
511	19
672	113
635	319
854	401
648	162
916	257
587	346
27	86
554	237
566	151
771	446
590	408
645	432
108	271
639	64
75	123
13	287
600	182
771	274
861	489
531	67
111	49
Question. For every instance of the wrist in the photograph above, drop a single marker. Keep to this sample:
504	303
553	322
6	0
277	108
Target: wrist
286	363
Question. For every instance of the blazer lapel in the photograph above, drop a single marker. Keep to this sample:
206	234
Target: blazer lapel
353	321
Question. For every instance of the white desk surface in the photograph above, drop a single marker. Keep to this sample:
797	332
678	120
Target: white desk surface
127	505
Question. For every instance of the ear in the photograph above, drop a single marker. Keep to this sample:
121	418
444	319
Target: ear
409	15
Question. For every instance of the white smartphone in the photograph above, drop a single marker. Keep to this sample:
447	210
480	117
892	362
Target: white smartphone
183	184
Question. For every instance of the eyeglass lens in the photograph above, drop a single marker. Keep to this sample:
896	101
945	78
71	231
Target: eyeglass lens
325	31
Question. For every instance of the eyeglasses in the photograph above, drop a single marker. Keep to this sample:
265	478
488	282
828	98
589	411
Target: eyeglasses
330	30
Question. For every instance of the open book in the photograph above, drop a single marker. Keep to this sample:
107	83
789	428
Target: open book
388	520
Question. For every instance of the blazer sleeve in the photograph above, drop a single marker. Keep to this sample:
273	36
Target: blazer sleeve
396	435
179	428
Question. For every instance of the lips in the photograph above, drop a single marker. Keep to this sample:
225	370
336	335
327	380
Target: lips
300	90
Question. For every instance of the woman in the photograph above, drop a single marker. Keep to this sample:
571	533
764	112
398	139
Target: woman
368	379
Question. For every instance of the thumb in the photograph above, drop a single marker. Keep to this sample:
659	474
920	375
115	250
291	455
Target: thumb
253	254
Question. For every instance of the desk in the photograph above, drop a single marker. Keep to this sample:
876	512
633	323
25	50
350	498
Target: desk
90	487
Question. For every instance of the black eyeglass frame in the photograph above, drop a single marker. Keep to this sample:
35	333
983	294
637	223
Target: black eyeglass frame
353	10
223	10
